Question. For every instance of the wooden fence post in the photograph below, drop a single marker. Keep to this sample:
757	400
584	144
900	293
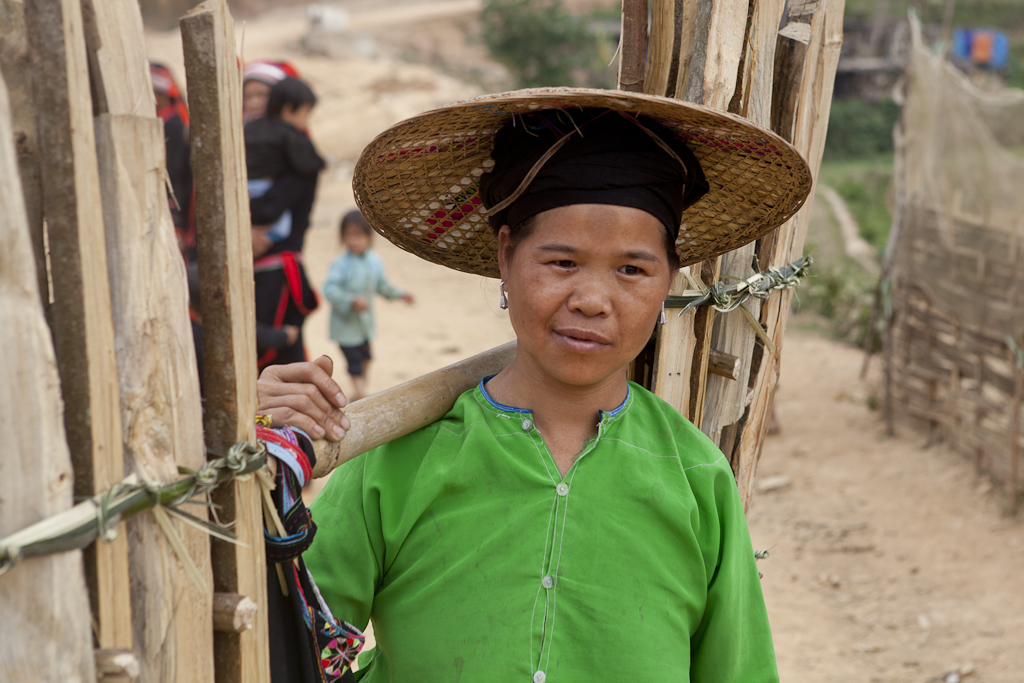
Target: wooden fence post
162	412
83	333
44	630
228	311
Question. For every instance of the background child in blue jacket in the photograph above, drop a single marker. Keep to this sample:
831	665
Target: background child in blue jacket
355	277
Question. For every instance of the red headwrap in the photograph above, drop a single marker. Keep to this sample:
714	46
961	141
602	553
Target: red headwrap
163	83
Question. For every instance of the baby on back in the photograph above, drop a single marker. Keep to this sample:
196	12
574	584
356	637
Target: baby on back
282	165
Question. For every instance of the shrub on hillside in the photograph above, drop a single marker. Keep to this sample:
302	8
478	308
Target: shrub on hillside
537	40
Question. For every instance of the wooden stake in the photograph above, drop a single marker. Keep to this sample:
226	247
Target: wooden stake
1011	483
724	365
633	45
117	666
228	309
83	331
233	613
45	604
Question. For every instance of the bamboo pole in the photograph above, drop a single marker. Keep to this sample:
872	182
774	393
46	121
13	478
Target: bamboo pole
45	630
228	309
403	409
81	320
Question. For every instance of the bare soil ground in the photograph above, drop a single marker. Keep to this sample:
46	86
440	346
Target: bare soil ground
889	562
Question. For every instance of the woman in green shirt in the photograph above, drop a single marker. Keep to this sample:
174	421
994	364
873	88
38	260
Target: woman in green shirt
559	523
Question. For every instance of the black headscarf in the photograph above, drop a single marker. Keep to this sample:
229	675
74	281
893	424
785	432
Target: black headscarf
607	160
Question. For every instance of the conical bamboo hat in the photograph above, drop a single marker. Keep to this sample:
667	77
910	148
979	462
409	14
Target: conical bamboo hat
417	183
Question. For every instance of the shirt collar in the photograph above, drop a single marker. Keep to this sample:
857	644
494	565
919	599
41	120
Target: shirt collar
512	409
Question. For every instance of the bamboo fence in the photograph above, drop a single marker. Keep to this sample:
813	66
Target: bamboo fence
952	345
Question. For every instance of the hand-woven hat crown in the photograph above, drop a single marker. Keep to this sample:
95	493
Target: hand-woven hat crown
418	183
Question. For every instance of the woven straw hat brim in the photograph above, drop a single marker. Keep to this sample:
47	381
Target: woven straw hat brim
417	183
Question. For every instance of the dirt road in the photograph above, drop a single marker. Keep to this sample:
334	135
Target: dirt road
889	562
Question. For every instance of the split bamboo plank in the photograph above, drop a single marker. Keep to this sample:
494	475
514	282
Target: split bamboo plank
81	321
228	309
633	45
684	343
688	12
161	408
677	345
16	69
726	401
44	633
663	47
716	51
122	65
810	121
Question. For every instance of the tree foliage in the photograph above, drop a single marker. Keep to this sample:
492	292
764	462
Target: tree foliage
536	40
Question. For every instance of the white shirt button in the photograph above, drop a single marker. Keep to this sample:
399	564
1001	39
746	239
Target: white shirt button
563	489
527	425
548	581
539	677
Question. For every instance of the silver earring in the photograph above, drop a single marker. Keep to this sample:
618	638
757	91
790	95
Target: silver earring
663	318
503	301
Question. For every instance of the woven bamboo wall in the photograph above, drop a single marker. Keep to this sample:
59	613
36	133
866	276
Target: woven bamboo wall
953	378
957	288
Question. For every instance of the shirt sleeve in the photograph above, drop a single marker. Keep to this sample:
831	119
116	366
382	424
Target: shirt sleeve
347	553
385	288
733	643
337	289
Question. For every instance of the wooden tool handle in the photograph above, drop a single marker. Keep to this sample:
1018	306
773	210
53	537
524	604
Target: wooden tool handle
403	409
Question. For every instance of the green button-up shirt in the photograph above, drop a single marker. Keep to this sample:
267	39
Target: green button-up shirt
478	561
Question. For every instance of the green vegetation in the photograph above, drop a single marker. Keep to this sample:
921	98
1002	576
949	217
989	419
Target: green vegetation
542	44
1001	14
838	297
858	129
864	186
537	40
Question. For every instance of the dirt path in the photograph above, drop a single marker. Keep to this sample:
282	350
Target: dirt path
889	562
